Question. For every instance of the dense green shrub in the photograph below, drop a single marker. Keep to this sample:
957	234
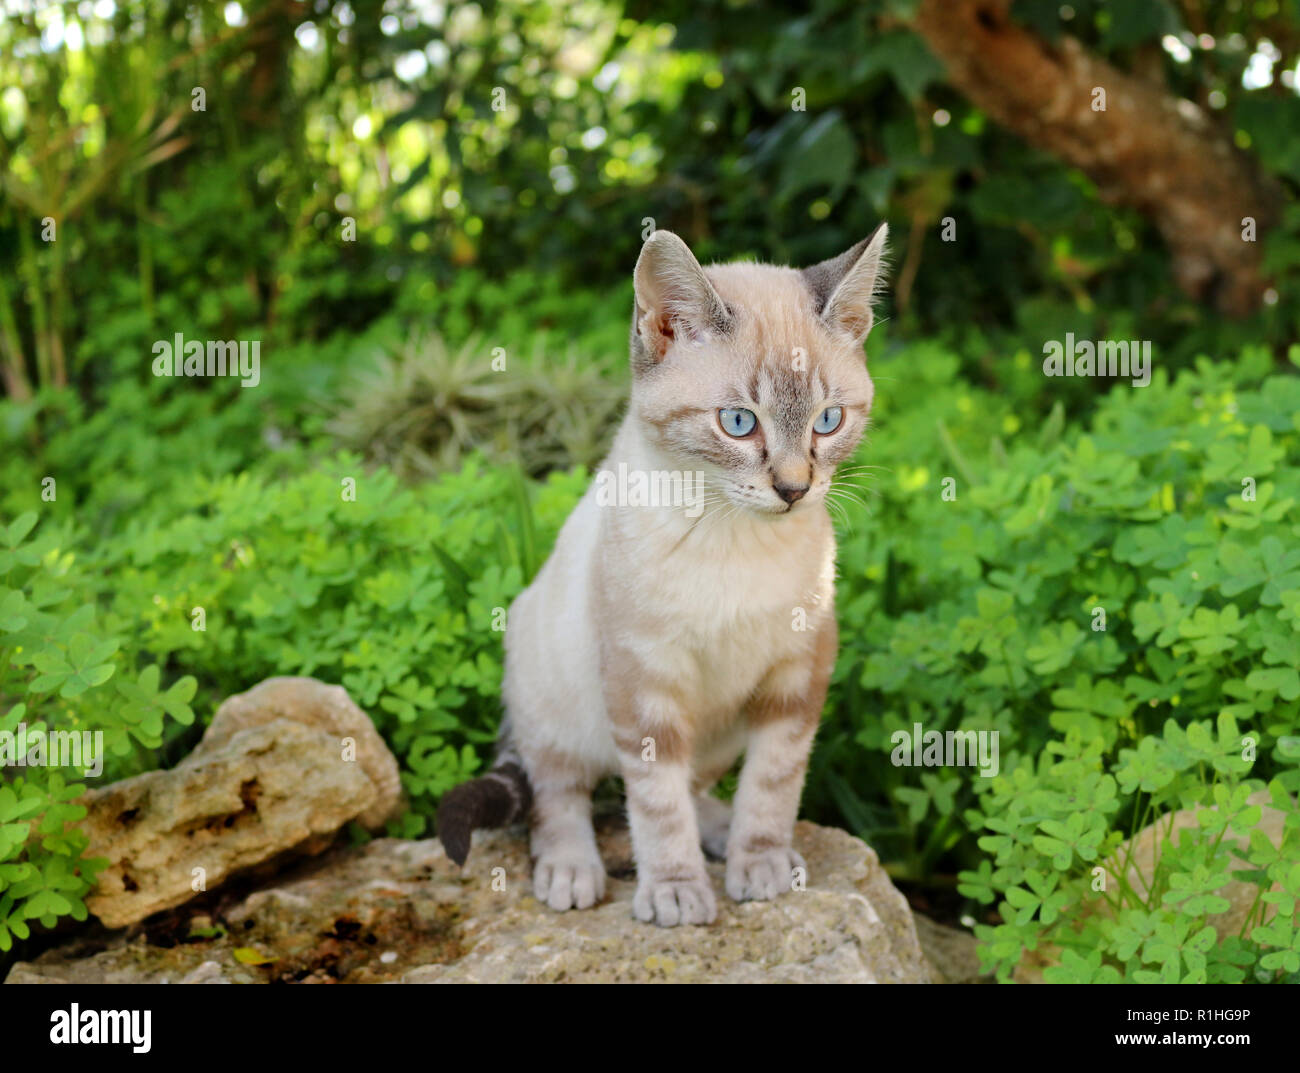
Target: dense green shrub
56	660
397	593
1122	604
368	166
972	612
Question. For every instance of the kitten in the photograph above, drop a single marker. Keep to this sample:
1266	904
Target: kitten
659	642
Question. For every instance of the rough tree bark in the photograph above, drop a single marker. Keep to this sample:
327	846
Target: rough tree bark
1149	149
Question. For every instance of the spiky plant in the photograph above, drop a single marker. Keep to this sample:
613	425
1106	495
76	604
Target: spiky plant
420	406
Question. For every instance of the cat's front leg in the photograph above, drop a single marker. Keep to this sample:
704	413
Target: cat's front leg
782	717
567	870
654	744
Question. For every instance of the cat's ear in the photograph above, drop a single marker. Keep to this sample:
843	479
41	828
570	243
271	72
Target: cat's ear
844	288
674	296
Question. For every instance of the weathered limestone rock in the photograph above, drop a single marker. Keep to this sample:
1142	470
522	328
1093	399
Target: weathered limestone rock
240	801
323	707
950	951
281	768
400	911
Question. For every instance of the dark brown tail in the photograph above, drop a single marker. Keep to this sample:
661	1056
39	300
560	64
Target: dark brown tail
500	797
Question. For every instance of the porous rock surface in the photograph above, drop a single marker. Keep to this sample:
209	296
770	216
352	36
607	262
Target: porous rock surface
323	707
279	771
400	911
168	835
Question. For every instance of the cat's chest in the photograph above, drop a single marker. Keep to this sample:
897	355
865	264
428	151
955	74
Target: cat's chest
740	589
748	615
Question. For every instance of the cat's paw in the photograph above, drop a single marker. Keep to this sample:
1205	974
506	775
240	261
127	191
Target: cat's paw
763	875
672	902
569	882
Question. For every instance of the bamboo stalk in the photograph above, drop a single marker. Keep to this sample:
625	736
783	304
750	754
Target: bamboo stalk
59	306
36	298
12	365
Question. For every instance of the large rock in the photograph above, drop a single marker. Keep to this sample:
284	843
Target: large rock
401	911
951	952
280	769
169	834
323	707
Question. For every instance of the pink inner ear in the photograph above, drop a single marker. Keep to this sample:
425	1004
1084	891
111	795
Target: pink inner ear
857	324
657	331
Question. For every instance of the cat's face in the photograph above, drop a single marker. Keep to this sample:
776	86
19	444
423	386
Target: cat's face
754	374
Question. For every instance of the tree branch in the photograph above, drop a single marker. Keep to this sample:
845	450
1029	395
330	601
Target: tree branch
1148	149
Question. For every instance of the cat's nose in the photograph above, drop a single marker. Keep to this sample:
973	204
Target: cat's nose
791	493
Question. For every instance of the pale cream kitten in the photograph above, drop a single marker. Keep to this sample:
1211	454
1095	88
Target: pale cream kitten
660	642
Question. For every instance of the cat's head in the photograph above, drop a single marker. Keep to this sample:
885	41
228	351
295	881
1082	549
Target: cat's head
754	374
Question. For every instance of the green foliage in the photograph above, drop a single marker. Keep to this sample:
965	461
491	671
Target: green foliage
968	613
884	134
230	221
58	655
1171	514
393	594
43	873
398	594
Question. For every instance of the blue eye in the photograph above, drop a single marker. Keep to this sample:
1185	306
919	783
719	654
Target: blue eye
828	420
737	422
